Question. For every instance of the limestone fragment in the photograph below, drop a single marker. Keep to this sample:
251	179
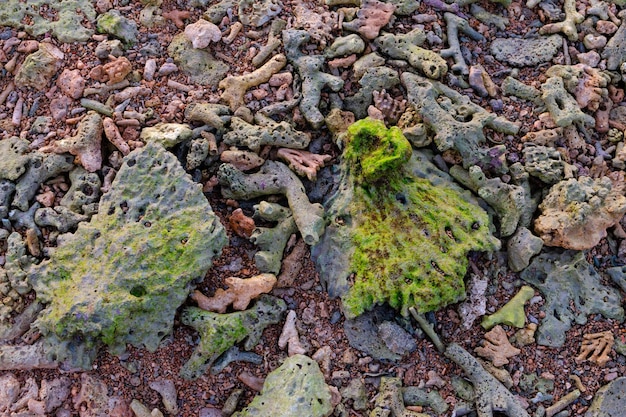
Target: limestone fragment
242	160
497	347
576	212
521	247
166	134
240	292
296	388
85	145
596	348
272	241
269	132
522	52
202	33
167	390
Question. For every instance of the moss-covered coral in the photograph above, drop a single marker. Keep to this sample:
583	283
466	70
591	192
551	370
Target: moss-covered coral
219	332
120	278
67	26
405	239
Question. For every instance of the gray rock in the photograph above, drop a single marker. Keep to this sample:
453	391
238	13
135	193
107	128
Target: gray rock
396	338
522	246
610	400
114	24
526	52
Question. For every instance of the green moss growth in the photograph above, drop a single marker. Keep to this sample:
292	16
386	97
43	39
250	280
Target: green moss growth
410	238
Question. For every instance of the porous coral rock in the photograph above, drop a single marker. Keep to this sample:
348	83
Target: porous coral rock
201	66
489	394
14	282
576	212
384	208
374	80
166	134
526	52
93	399
67	26
389	401
167	390
271	241
544	162
140	410
16	157
117	70
568	26
42	167
71	83
318	22
85	145
202	33
116	25
218	332
240	292
294	389
345	45
84	191
457	122
609	400
153	235
521	247
275	178
242	160
61	218
476	303
408	47
454	24
309	68
588	85
562	106
371	17
39	67
241	224
304	163
258	13
211	114
615	50
235	87
272	133
572	290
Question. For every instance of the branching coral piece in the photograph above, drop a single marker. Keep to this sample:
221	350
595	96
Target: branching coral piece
273	42
455	23
391	108
457	122
596	348
490	395
389	400
313	78
219	332
85	145
497	348
576	213
587	84
562	106
304	163
512	313
120	278
407	47
275	178
235	87
568	26
383	211
240	292
374	79
211	114
289	337
370	18
573	291
243	133
271	241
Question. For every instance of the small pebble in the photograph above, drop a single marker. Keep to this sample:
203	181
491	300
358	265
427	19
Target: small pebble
606	27
594	42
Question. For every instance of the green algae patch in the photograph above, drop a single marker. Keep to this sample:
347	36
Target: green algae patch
120	278
401	239
67	26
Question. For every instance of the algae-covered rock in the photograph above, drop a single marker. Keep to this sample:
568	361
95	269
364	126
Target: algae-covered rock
15	157
382	214
572	290
219	332
526	52
609	400
14	282
271	241
114	24
67	26
166	134
120	278
295	389
576	212
39	67
407	47
512	313
201	66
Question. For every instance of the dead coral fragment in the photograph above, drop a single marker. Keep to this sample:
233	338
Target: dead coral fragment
241	224
370	18
568	26
497	348
304	163
254	137
596	348
576	212
240	292
85	145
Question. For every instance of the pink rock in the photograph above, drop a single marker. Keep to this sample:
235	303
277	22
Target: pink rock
71	83
59	107
202	33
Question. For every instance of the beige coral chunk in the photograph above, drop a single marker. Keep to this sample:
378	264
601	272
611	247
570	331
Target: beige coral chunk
289	337
202	33
117	70
239	293
596	348
304	163
235	87
497	347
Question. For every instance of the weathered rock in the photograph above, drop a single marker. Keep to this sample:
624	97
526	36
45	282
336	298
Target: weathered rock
389	400
202	33
201	66
370	18
407	47
258	13
572	290
529	52
576	212
39	67
114	24
16	157
544	162
609	400
219	332
166	134
521	247
71	83
95	401
295	389
167	390
153	235
271	241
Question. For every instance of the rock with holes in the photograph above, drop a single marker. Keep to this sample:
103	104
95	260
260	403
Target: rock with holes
120	278
609	400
